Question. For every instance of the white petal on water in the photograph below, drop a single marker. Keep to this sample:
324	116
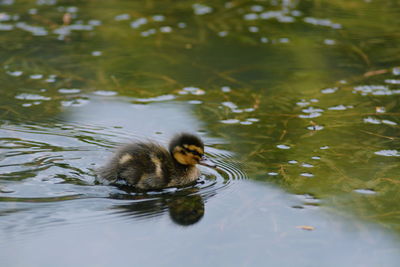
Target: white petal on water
329	90
75	103
392	81
315	127
389	122
105	93
69	91
156	98
25	96
122	17
230	121
372	120
15	73
283	147
200	9
306	165
159	18
97	53
250	16
166	29
388	153
225	89
365	191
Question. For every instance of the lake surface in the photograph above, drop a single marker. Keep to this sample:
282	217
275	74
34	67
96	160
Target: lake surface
296	101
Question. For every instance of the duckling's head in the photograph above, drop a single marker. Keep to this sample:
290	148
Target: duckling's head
188	149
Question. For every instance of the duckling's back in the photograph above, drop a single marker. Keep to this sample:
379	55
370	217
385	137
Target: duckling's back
143	165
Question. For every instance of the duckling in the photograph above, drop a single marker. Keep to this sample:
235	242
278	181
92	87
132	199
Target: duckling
147	165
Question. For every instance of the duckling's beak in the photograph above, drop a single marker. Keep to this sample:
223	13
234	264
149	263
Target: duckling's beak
207	162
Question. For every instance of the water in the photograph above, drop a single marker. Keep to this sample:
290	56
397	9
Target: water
297	103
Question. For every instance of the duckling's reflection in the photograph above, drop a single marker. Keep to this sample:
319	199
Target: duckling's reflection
184	208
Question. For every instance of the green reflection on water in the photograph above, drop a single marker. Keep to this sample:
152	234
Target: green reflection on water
259	71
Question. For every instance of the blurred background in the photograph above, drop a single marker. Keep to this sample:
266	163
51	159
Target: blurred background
297	102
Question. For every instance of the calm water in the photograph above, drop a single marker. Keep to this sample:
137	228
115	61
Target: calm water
297	102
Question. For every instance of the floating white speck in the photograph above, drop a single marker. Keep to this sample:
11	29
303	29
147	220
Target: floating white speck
312	110
75	103
31	97
148	32
138	22
225	89
306	165
322	22
156	99
389	122
375	90
372	120
257	8
122	17
388	153
311	115
159	18
272	173
292	161
6	27
324	147
339	107
306	174
94	22
35	30
303	103
166	29
250	16
222	33
365	191
15	73
195	102
182	25
316	157
253	29
200	9
97	53
283	147
69	91
315	127
105	93
193	90
329	90
329	42
230	105
230	121
246	122
253	119
36	76
392	81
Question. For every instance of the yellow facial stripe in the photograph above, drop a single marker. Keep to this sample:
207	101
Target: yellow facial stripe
195	148
185	159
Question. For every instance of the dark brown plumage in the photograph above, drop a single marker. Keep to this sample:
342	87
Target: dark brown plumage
146	165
